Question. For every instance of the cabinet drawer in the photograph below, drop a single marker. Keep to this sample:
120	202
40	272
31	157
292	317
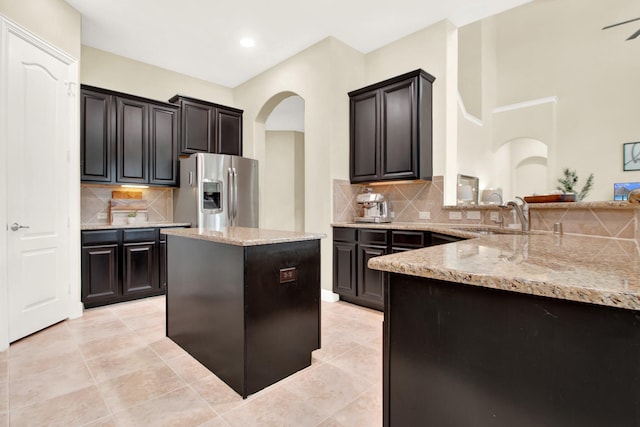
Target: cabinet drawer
99	237
345	234
139	235
373	237
408	239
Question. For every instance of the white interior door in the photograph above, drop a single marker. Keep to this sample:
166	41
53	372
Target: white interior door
37	205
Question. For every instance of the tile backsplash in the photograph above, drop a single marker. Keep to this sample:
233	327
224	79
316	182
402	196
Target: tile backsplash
94	203
406	200
607	219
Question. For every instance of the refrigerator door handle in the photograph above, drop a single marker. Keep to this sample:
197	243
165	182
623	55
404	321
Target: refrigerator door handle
235	196
230	197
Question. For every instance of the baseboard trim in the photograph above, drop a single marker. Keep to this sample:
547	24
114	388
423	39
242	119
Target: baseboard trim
328	296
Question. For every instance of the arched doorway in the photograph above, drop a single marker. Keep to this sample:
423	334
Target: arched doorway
284	165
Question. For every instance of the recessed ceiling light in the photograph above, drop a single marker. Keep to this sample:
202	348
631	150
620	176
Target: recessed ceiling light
247	42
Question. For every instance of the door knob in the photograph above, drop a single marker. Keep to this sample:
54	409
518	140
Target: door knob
15	226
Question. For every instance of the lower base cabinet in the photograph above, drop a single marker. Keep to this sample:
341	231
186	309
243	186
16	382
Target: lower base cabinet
122	264
353	247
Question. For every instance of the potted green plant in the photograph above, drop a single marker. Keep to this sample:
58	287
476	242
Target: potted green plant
131	217
569	181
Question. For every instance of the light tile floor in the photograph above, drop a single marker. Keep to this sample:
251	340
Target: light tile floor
115	367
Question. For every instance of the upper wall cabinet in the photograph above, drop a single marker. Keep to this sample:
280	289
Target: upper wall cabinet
209	128
127	139
391	129
97	129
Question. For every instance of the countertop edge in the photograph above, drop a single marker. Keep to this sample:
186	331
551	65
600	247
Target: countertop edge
241	236
598	289
84	227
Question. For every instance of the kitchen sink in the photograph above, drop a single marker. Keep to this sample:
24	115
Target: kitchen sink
484	230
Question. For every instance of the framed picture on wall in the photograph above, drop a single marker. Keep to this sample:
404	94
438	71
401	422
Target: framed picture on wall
631	156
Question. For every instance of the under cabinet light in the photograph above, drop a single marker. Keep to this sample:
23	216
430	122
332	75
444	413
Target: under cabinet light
134	186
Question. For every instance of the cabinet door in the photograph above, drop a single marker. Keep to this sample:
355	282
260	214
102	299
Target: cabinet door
364	137
229	132
163	145
399	131
132	141
344	268
96	136
99	272
198	125
370	282
139	268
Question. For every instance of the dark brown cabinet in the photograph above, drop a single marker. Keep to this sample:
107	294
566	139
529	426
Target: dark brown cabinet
208	128
100	270
228	131
163	145
371	243
97	129
132	141
390	129
122	264
353	280
127	139
344	261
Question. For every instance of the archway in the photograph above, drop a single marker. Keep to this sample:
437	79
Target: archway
283	205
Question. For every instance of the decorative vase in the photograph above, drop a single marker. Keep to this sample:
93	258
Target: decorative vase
131	220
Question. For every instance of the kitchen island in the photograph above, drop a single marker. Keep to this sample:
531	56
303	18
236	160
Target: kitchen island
506	330
245	302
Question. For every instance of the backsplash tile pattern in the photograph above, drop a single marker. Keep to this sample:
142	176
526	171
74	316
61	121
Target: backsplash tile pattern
606	222
407	200
94	200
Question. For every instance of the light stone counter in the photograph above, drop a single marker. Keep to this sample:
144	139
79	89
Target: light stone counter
243	236
585	269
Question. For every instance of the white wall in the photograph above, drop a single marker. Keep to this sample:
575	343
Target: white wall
284	189
557	49
434	49
52	20
109	71
321	75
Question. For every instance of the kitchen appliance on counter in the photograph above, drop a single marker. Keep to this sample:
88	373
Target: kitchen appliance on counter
374	207
217	190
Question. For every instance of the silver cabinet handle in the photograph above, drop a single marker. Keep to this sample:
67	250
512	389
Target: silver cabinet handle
15	226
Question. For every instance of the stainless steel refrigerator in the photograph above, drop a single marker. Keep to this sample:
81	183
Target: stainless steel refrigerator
217	190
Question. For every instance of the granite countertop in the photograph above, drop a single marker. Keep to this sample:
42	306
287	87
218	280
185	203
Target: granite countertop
467	231
141	225
586	269
243	236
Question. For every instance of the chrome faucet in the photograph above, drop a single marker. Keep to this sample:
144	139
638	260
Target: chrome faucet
523	212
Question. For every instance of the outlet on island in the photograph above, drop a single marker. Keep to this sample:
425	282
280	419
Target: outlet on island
288	275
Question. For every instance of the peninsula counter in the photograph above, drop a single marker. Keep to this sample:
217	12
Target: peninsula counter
505	330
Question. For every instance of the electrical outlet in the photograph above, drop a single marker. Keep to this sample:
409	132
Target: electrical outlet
473	214
424	215
392	214
102	215
455	215
494	216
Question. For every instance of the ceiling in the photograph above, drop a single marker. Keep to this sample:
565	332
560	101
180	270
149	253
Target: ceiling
201	38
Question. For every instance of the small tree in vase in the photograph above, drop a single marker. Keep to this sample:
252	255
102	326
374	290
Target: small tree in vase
569	181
